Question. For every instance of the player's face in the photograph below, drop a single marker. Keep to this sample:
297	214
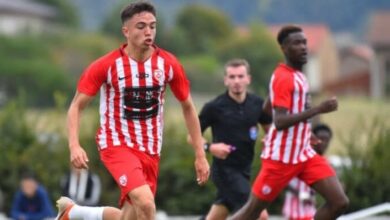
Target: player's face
325	137
237	79
295	48
140	30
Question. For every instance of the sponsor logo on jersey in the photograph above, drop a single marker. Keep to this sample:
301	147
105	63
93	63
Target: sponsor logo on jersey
142	75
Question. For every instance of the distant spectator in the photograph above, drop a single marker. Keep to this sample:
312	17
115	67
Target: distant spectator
300	199
31	201
82	186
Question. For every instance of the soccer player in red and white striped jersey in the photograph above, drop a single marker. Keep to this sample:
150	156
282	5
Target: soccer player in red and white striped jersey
287	152
132	82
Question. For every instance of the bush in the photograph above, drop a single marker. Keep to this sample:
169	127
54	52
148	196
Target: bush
22	151
178	192
367	179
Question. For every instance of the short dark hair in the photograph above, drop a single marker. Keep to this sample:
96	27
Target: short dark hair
137	7
322	127
287	30
237	62
28	175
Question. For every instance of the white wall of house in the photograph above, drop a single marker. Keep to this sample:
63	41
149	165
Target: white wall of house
24	16
12	24
312	71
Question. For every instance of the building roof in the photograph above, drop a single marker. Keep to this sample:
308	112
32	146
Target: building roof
379	28
27	7
315	33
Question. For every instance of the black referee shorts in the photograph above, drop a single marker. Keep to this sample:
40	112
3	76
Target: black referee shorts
233	187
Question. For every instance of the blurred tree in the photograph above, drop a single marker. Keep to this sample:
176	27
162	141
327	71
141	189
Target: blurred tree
261	51
26	65
67	15
112	25
203	27
205	74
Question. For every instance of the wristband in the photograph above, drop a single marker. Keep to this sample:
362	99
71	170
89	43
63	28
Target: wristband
206	146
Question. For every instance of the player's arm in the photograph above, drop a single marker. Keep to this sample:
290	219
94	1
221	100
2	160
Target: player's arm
266	116
78	156
283	120
192	122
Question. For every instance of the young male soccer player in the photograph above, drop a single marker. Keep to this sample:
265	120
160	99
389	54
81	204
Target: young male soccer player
287	152
132	82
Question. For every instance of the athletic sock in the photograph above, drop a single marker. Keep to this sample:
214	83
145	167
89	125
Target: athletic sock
86	213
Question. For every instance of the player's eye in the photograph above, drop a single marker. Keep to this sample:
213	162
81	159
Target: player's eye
140	26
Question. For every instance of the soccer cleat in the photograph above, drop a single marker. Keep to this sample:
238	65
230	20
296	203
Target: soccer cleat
64	205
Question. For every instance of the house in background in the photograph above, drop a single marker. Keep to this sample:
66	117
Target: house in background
378	36
322	67
24	16
355	71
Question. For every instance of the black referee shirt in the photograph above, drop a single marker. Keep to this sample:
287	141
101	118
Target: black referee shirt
234	124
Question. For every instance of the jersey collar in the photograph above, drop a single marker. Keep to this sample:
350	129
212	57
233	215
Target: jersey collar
123	52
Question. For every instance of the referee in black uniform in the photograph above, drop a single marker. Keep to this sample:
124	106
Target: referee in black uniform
234	117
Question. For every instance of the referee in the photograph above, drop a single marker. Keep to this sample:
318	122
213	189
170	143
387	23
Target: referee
234	117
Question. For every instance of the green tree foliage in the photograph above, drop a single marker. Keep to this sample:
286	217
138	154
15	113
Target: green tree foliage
112	25
39	66
203	28
67	13
205	74
26	65
261	51
366	180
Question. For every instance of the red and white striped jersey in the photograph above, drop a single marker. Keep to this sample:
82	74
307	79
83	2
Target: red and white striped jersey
132	97
289	89
294	206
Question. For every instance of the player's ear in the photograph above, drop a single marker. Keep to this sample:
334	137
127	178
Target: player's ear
125	31
225	80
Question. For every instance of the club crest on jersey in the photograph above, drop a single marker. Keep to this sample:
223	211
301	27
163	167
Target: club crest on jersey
123	180
266	190
157	74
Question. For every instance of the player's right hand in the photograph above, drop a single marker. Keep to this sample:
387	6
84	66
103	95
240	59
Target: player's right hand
78	157
220	150
329	105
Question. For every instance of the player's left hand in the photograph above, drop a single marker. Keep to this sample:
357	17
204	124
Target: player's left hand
202	169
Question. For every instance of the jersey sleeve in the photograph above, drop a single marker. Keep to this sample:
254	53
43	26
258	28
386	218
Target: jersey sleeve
206	116
282	88
179	84
92	79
